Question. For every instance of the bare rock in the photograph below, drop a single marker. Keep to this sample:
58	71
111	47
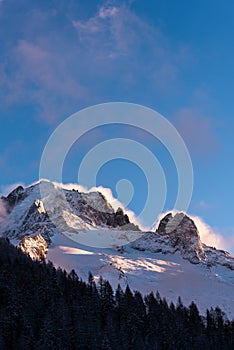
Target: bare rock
36	247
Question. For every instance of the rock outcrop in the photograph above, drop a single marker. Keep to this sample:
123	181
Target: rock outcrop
17	195
179	233
36	247
33	217
182	234
94	209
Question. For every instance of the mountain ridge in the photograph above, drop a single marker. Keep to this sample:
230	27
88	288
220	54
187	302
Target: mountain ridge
65	226
176	232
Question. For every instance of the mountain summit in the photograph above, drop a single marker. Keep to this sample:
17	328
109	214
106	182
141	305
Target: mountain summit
181	233
78	214
82	231
178	233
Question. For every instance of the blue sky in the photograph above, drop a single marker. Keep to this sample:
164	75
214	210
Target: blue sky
57	57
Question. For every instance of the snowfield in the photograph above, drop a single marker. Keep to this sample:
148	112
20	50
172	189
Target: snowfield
81	231
169	274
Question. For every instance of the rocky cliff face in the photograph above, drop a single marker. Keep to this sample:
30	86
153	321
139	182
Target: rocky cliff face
17	195
94	209
60	210
179	233
36	247
33	221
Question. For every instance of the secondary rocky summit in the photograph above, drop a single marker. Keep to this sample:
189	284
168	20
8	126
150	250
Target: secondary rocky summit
178	233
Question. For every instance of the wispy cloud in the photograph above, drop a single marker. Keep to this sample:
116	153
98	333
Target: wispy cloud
113	32
108	12
209	235
107	193
44	76
60	63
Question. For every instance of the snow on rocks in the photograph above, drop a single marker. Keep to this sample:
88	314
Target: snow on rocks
36	247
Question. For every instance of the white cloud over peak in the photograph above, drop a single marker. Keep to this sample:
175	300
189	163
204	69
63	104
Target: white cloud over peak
209	235
107	193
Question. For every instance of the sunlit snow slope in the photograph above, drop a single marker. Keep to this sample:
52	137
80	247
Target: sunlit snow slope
82	231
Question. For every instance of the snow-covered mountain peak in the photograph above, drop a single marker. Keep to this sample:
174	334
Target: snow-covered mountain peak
49	221
47	207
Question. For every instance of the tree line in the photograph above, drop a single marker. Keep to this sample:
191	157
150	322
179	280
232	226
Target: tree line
46	308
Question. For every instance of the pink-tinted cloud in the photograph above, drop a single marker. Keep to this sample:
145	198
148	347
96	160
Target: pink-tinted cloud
209	235
45	70
197	131
59	63
108	34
